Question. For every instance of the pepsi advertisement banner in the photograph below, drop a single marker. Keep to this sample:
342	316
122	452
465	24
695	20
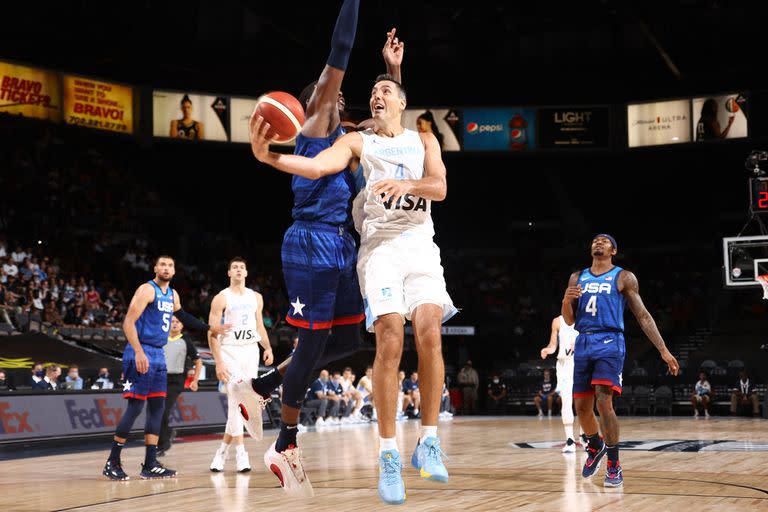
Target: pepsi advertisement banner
574	128
499	129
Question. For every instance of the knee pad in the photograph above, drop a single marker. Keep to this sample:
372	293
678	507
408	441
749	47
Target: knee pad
305	359
129	417
344	341
155	409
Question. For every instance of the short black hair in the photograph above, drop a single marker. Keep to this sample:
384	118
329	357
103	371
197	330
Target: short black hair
157	260
389	78
236	259
306	94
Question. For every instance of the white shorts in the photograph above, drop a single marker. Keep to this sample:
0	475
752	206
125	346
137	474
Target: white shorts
564	369
399	274
241	360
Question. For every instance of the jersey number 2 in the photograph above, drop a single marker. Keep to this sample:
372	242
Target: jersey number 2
592	305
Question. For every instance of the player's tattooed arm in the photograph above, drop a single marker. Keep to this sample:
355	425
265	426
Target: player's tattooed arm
629	287
570	299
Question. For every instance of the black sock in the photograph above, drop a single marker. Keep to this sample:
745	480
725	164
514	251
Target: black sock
287	437
151	455
114	455
613	453
267	383
594	441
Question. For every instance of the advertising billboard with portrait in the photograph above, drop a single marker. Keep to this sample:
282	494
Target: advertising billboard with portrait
189	116
445	123
720	117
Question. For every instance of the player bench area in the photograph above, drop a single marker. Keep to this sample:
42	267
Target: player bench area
638	397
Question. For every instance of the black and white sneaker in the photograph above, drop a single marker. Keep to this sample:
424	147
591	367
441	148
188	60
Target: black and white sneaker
156	470
114	471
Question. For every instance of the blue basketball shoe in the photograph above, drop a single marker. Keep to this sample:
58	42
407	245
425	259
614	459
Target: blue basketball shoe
428	459
391	486
613	476
156	470
114	470
592	463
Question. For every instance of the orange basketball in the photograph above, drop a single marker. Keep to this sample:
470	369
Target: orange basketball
731	105
284	114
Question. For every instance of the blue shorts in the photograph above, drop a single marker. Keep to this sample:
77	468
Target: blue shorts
598	360
151	384
320	269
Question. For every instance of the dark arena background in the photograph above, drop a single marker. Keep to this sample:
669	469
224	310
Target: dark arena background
559	121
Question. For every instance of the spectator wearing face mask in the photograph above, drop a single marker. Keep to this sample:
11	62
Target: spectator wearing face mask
50	382
37	375
497	395
73	376
103	381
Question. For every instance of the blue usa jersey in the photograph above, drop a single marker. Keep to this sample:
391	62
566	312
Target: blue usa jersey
154	324
601	306
328	199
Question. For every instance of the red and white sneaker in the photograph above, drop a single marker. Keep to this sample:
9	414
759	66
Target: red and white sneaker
250	404
289	469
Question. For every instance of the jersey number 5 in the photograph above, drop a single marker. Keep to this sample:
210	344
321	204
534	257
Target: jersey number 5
166	322
592	305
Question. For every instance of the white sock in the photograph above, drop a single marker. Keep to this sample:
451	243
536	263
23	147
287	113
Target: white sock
427	432
224	448
387	443
240	449
569	432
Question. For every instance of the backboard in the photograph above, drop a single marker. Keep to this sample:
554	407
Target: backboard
744	258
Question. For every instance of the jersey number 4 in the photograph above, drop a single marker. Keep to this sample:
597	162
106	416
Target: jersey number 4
591	306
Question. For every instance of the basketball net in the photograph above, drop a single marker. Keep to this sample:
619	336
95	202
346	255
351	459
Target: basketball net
763	280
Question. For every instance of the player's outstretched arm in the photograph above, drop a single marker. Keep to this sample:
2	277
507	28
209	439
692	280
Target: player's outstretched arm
550	349
190	321
218	304
433	185
329	161
393	52
144	295
570	299
630	288
322	113
267	348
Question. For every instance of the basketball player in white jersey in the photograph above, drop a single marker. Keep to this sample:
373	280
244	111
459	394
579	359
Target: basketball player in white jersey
398	263
237	359
564	336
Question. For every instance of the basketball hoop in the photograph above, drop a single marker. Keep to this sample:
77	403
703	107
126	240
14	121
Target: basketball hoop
763	280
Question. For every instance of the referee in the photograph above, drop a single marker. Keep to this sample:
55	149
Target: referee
177	350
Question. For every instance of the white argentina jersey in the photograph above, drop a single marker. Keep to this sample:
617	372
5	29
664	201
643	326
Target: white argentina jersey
401	158
241	313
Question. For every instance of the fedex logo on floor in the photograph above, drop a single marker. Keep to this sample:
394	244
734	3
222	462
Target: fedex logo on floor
98	416
12	422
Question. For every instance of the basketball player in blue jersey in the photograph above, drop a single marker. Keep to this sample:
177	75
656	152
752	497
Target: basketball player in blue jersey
319	256
146	326
595	300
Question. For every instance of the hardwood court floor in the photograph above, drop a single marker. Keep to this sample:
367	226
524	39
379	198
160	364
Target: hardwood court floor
486	472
